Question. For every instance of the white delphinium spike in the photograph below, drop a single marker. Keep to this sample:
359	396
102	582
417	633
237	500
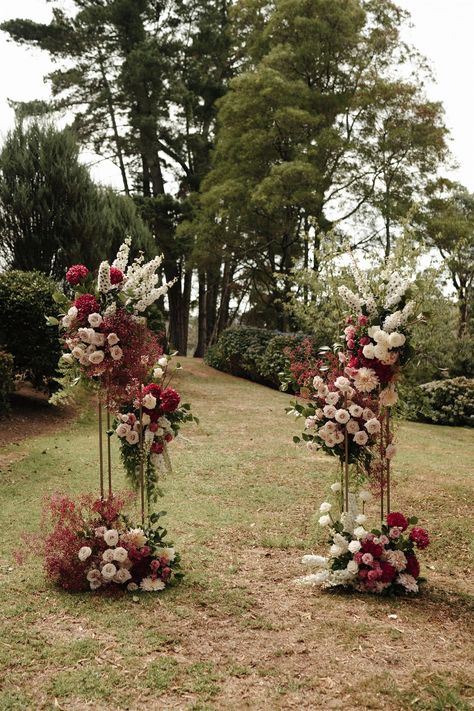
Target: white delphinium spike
103	282
392	322
396	288
315	579
319	561
121	260
408	310
371	306
351	299
362	282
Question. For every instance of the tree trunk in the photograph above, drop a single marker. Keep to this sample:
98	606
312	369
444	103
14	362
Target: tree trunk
211	305
202	318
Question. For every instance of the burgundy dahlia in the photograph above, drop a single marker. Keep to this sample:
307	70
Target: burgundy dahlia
420	537
413	566
76	274
86	304
116	275
169	400
397	519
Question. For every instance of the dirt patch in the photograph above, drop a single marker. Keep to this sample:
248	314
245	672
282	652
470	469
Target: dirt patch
31	416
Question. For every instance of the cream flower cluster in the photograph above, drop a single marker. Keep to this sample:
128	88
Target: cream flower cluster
115	564
87	345
129	427
340	414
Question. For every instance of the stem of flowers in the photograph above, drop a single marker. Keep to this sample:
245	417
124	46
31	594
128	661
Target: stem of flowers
109	457
342	488
101	455
382	469
142	473
387	438
346	464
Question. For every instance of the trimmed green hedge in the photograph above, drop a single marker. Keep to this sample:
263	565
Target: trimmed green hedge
441	402
253	353
239	350
7	382
25	299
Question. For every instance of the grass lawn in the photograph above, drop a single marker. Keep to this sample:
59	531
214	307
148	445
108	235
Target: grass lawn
237	633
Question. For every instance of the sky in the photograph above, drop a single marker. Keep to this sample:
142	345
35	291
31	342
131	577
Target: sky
442	31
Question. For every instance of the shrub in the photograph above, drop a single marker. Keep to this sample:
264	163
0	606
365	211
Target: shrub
263	356
276	358
442	402
25	299
6	381
239	351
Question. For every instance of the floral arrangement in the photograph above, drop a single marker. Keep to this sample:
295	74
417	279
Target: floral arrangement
162	414
90	544
376	561
102	322
347	414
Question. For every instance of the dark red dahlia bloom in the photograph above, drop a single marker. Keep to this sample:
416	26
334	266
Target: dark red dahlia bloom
86	304
397	519
168	437
157	448
375	549
76	274
413	566
169	400
116	276
420	537
388	572
153	389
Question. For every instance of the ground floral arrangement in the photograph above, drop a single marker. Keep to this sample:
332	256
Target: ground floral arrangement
90	544
347	411
109	350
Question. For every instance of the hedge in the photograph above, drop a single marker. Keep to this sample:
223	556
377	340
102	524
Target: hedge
441	402
253	353
7	382
25	299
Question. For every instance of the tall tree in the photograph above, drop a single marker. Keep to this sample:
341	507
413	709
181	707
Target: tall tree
51	212
142	78
290	163
447	223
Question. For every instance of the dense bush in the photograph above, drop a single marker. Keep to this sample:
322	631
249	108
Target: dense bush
262	356
442	402
274	360
25	299
6	381
239	351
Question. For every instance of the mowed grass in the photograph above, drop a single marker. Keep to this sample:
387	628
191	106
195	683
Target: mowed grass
238	633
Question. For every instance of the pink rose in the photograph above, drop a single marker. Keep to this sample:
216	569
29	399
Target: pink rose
367	558
395	532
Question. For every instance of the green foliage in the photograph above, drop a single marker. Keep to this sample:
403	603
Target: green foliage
239	352
25	299
273	361
260	355
52	215
447	223
6	381
442	402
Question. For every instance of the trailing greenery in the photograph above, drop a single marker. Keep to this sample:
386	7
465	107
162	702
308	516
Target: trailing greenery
25	299
442	402
6	381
